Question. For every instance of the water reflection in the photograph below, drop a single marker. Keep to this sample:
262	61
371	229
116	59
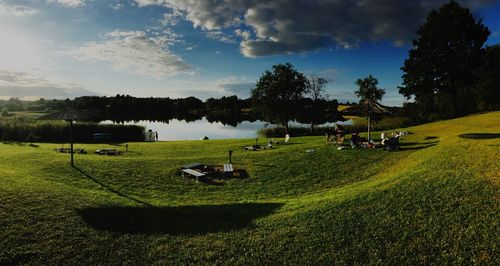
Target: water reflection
182	130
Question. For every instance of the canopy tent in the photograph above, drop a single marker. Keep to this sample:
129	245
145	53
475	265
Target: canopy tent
369	108
69	114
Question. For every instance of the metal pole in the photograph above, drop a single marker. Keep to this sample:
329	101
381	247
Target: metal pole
369	121
71	140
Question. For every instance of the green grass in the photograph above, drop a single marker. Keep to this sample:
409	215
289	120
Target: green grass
434	202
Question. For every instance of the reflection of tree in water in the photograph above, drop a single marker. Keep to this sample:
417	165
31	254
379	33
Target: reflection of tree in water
226	110
229	118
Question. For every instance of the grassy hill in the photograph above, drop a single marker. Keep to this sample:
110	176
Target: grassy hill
436	201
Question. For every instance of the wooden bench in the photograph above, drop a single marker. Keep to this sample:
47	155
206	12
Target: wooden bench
194	173
228	170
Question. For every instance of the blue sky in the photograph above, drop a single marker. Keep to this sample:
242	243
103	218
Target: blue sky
174	48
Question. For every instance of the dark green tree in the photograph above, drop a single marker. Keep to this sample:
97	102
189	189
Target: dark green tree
14	105
5	112
317	112
277	93
367	89
314	108
316	88
488	87
440	71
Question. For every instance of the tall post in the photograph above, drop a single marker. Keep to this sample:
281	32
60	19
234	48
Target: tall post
71	140
369	121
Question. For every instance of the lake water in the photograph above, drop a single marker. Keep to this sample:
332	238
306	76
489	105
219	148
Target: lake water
182	130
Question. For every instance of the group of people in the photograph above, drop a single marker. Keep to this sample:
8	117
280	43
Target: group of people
338	133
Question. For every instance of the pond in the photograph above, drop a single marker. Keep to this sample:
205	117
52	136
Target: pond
182	130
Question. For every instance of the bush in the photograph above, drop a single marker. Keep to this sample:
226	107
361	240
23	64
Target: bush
59	132
359	125
5	112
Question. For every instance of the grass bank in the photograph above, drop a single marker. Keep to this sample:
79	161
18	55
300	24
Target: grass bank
436	201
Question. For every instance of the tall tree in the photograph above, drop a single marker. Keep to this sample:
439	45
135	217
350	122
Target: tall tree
316	88
314	108
488	88
367	89
277	93
440	70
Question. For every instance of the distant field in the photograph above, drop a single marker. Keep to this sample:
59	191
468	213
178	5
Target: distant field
436	201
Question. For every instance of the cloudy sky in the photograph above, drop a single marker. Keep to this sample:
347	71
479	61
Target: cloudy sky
206	48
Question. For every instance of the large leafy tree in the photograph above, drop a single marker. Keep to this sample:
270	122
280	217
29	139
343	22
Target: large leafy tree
367	89
278	92
316	88
315	108
439	73
488	88
317	112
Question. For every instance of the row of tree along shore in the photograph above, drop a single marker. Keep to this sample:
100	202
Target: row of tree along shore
449	72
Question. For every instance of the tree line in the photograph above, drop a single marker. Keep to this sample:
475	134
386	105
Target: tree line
449	71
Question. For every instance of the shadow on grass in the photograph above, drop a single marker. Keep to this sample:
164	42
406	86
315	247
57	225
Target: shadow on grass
178	220
430	137
419	147
404	144
480	136
112	190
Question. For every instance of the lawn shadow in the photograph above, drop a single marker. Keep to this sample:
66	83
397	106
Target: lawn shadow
110	188
430	137
419	147
178	220
412	146
480	136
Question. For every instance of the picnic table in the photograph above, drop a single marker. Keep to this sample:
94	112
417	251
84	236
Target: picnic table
192	172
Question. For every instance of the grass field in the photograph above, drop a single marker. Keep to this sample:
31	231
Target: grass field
436	201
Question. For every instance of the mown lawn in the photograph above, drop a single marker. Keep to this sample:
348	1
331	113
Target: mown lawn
434	202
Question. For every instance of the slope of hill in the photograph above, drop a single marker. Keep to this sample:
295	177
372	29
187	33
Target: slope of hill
434	201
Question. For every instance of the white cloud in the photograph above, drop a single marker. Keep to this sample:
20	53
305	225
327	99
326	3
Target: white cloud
68	3
220	36
138	52
116	6
289	26
171	19
28	86
16	10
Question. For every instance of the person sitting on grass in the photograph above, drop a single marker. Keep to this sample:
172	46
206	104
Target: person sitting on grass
339	134
329	133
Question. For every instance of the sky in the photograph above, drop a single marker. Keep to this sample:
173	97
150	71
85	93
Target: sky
207	48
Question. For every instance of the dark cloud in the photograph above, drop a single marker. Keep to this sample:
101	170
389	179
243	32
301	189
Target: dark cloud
292	26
